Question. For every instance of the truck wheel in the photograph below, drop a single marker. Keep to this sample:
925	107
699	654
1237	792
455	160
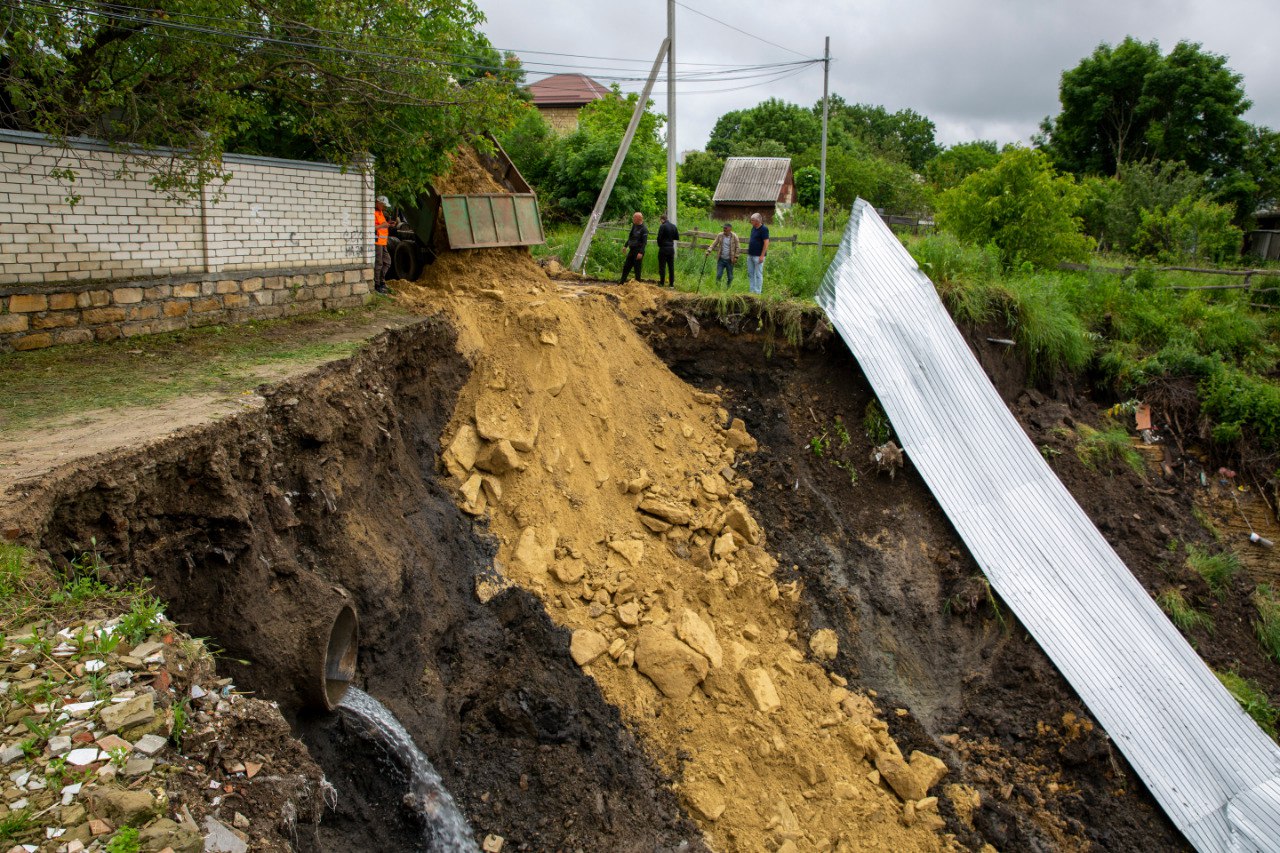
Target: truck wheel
404	261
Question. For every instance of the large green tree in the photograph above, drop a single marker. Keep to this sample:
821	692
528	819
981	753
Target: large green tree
904	135
403	81
1131	103
772	128
958	162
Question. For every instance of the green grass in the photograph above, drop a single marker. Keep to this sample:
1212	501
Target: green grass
1102	448
44	386
1267	600
1217	569
1181	613
16	827
1253	699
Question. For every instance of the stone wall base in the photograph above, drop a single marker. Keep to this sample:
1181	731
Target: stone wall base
39	317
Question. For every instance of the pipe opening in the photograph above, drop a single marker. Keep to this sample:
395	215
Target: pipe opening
340	656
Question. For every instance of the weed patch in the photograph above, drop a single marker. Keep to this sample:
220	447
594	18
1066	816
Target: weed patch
1267	600
1253	699
1102	448
1181	613
1217	570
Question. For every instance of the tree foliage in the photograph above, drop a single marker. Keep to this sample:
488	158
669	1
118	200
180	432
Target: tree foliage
401	80
1190	231
773	128
958	162
1113	208
580	162
702	168
1022	207
904	135
1130	103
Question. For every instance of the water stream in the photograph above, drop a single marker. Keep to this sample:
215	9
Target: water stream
447	829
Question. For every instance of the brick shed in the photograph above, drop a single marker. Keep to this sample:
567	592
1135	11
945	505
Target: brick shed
754	185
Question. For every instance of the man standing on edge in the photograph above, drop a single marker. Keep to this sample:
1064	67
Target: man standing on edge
636	241
757	248
668	234
726	246
381	256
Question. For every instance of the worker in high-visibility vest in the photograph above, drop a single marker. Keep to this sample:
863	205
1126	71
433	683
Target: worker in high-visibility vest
381	254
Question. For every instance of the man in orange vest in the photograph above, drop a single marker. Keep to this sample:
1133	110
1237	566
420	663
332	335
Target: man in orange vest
381	254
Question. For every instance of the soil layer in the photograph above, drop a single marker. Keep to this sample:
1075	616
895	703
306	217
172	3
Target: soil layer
329	493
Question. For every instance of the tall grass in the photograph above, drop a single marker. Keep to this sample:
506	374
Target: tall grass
1253	699
1218	570
1181	612
1267	600
1099	448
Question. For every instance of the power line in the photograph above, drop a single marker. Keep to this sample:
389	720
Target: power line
736	30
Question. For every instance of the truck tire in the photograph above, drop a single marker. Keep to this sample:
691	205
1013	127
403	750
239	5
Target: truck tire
404	261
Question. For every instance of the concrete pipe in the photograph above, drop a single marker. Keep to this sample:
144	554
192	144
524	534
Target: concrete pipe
340	656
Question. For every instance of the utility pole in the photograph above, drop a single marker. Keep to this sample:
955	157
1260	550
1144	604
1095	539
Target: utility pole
822	176
671	111
594	222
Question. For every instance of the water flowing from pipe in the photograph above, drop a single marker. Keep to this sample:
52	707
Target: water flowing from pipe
448	829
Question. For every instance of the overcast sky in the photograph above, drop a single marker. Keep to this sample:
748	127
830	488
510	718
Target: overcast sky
981	69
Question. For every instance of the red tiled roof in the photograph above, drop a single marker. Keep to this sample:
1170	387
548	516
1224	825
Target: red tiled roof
566	90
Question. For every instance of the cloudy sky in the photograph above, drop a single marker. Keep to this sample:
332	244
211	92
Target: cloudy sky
981	69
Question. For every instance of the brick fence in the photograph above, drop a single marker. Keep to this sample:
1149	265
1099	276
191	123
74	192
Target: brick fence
280	238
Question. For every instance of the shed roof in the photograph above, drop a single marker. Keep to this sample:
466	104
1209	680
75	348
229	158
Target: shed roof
752	179
566	90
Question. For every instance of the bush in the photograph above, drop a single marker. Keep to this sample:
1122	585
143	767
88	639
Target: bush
1193	230
1022	207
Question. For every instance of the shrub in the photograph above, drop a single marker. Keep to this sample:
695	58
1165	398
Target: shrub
1022	207
1192	230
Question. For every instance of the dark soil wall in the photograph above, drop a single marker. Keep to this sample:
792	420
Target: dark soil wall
249	526
883	567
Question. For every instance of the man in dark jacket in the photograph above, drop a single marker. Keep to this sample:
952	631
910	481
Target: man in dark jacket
636	241
668	234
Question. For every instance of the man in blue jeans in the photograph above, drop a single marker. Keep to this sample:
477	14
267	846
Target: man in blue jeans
757	248
726	249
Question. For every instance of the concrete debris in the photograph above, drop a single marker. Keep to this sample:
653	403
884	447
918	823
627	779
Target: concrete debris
220	838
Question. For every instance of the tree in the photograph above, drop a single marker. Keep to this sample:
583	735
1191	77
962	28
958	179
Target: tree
1022	207
1192	230
1129	103
809	186
958	162
1114	207
582	159
402	80
530	143
702	168
773	128
903	135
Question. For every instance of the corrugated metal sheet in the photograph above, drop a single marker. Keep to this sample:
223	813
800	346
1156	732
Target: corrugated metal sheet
1215	773
752	179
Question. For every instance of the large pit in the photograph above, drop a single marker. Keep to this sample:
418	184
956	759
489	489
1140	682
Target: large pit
256	528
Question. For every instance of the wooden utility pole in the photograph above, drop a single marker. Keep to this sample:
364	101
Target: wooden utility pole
593	223
822	176
671	111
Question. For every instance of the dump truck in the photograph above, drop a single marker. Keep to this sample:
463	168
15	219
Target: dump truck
438	222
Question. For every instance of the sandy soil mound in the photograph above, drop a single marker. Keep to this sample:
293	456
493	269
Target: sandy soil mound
612	488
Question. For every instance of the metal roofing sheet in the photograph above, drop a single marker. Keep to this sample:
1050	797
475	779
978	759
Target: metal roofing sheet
752	179
1215	773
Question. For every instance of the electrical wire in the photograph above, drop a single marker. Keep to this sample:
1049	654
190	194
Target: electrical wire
736	30
127	13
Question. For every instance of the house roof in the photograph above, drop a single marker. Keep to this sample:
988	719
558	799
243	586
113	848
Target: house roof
752	179
566	90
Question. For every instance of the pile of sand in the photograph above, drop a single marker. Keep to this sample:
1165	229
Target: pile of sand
611	487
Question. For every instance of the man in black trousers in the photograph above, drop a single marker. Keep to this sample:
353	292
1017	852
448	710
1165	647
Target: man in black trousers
668	234
636	242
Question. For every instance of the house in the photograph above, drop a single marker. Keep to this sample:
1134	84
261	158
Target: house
754	185
1264	240
560	96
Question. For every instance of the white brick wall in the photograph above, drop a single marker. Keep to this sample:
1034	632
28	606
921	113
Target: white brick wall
272	214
